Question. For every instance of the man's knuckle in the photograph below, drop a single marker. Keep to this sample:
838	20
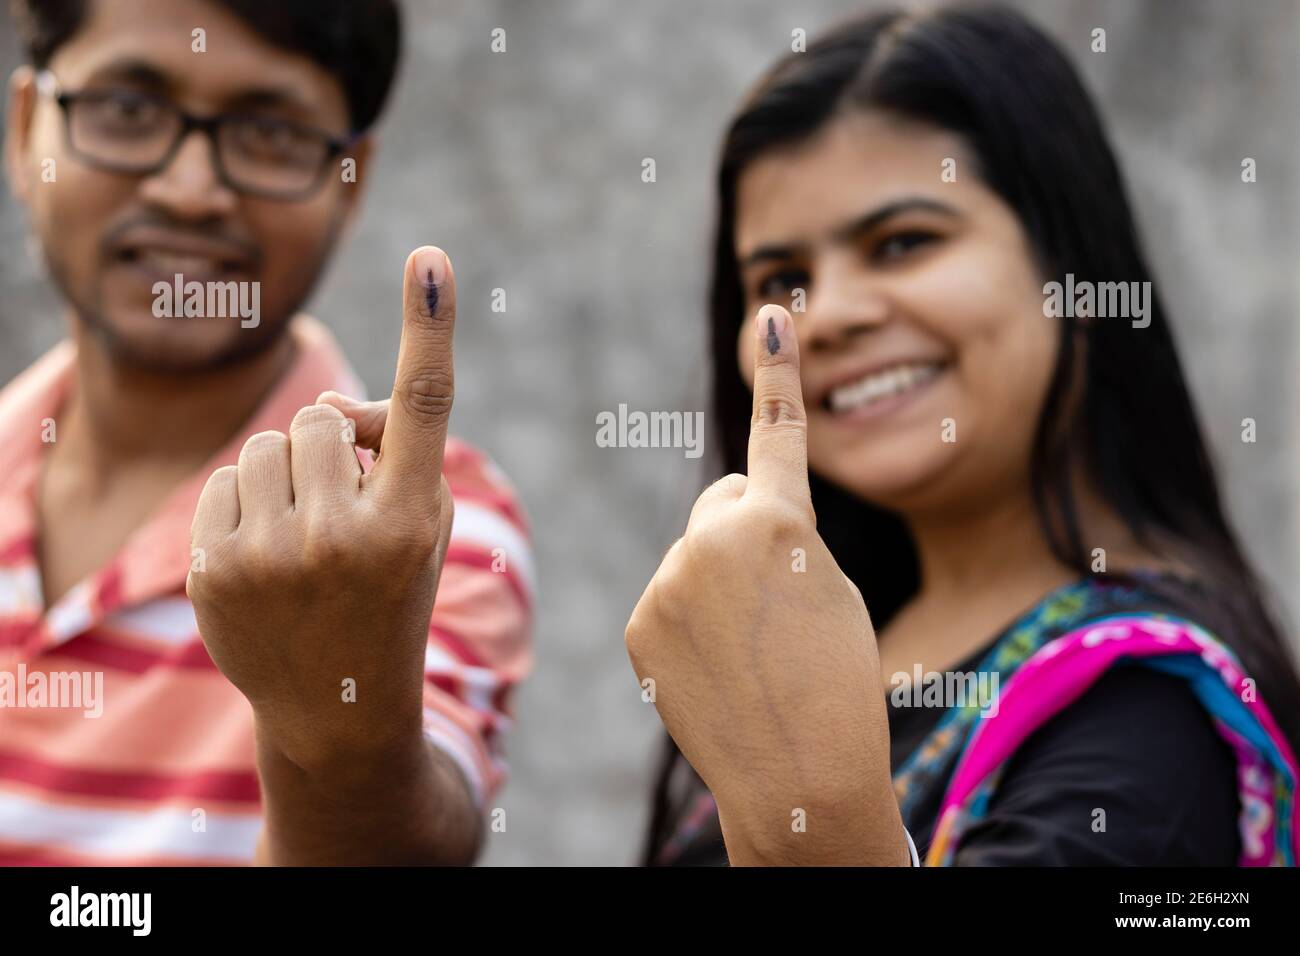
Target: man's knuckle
313	415
327	546
196	586
426	397
264	443
413	542
257	560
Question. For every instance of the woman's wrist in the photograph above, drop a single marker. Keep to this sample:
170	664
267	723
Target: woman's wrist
814	833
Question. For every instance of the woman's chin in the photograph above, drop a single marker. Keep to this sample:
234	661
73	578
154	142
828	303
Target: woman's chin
896	479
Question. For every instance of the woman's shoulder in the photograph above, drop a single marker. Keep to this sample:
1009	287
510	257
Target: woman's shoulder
1132	772
1087	600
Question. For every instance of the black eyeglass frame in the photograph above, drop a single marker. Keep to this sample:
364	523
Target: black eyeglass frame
47	83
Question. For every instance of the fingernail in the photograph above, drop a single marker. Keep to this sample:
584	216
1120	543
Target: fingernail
772	324
431	265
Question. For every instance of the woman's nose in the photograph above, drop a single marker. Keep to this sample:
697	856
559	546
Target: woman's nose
841	304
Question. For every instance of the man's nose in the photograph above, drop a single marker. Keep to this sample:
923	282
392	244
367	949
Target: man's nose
189	186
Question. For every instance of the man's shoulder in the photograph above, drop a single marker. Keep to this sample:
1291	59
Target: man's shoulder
38	381
31	397
475	478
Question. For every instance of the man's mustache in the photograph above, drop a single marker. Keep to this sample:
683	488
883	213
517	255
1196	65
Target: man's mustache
238	246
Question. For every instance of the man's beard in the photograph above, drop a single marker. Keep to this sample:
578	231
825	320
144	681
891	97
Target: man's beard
125	353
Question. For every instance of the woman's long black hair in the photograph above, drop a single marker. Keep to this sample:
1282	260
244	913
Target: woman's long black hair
990	76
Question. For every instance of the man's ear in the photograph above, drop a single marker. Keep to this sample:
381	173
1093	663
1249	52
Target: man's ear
18	126
361	152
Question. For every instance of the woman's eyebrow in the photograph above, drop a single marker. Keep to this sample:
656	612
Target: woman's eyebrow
770	252
880	215
854	227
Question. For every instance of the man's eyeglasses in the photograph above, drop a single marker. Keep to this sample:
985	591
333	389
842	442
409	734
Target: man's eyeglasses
138	133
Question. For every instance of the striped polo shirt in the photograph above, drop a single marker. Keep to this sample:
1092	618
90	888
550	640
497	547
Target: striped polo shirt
120	741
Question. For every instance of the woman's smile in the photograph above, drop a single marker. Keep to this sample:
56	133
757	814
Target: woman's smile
881	392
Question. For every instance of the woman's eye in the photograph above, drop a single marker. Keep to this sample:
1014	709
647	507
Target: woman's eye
902	243
781	285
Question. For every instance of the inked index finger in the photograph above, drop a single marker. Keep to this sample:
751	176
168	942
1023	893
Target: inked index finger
423	388
778	446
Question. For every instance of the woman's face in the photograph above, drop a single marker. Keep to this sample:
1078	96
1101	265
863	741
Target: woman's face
925	352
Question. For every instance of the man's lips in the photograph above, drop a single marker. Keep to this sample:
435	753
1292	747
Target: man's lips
159	253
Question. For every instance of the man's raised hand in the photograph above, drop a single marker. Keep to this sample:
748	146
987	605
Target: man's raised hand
318	578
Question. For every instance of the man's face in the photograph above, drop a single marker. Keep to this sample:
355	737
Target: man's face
110	237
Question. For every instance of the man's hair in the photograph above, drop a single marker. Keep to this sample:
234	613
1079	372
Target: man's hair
356	40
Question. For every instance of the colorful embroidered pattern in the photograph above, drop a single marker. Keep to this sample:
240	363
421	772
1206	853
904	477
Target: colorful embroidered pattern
1055	675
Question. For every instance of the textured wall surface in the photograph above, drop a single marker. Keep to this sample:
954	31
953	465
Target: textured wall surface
526	167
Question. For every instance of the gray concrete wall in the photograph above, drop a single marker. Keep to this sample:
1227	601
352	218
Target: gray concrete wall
525	166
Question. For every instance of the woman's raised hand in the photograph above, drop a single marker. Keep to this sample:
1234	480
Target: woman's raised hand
760	656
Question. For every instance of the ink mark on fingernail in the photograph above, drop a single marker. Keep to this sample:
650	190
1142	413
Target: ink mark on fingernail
431	295
773	340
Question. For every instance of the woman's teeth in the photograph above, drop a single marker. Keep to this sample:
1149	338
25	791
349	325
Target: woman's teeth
883	384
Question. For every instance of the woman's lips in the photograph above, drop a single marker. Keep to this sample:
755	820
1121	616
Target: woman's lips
881	391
